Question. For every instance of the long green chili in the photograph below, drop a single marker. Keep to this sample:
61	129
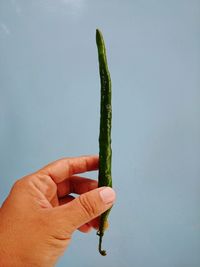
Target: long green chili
105	152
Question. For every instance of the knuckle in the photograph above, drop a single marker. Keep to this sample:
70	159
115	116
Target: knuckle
19	183
20	186
47	181
88	207
44	183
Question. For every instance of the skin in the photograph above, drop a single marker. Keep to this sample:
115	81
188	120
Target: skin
39	216
105	151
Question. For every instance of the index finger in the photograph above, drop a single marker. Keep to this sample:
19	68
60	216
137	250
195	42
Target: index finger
61	169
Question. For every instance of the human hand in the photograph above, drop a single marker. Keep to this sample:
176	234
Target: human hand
39	216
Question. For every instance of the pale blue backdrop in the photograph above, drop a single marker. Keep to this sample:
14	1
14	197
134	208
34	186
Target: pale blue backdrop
49	108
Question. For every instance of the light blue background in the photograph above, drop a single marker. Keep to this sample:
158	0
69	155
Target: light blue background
49	108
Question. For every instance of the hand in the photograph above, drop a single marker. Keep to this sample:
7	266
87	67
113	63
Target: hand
39	216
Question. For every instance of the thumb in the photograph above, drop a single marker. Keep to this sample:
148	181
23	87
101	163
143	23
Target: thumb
85	208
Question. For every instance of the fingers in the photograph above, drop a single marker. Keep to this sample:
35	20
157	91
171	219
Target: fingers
83	209
65	200
76	184
95	223
88	226
84	228
64	168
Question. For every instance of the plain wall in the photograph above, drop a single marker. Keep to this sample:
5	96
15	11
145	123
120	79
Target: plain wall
49	109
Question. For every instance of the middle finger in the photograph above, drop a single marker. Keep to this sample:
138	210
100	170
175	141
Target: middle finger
76	184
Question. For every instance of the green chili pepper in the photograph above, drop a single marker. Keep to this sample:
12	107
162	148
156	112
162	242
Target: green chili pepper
105	152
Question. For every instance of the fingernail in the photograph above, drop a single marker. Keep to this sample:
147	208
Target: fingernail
107	195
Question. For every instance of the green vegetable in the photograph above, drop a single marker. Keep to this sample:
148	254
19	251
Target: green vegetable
105	152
